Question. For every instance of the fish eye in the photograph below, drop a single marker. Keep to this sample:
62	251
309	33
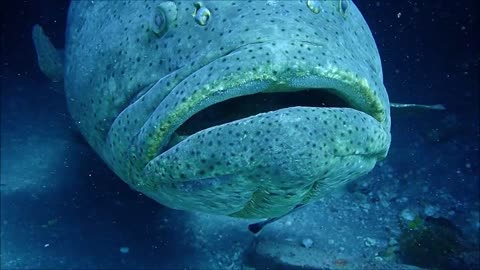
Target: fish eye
159	22
165	14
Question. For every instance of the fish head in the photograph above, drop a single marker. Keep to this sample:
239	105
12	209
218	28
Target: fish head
239	108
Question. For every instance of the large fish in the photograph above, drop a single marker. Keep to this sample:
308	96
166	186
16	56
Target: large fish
239	108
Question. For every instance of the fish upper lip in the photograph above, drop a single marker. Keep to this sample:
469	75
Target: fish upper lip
354	89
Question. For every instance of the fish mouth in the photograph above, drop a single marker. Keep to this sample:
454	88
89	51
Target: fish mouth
257	142
271	100
242	107
319	87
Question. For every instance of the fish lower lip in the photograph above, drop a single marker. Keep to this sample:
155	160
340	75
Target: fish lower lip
304	136
291	147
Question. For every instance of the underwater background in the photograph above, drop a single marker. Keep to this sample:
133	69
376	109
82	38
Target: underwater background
62	207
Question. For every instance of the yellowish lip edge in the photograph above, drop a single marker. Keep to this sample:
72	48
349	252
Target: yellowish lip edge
359	84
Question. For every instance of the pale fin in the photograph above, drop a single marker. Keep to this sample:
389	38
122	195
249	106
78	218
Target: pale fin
439	107
50	60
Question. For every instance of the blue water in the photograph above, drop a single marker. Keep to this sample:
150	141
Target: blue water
62	208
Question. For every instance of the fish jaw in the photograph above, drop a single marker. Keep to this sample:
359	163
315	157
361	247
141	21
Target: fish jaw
263	165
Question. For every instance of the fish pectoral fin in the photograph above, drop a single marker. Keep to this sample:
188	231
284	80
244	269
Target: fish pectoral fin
438	107
50	59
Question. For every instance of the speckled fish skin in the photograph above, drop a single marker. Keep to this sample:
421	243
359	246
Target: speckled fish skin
136	70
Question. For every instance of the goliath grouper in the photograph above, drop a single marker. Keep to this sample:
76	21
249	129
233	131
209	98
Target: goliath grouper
245	109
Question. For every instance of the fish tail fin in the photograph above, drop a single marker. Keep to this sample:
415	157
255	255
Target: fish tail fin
50	59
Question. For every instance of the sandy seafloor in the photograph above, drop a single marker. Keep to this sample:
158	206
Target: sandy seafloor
61	207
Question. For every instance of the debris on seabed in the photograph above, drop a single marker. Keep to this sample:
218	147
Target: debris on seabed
431	211
370	242
307	242
407	215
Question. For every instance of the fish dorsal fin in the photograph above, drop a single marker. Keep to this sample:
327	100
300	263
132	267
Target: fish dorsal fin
438	107
50	59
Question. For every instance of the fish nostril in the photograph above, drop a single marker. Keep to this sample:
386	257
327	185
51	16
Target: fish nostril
202	14
314	6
